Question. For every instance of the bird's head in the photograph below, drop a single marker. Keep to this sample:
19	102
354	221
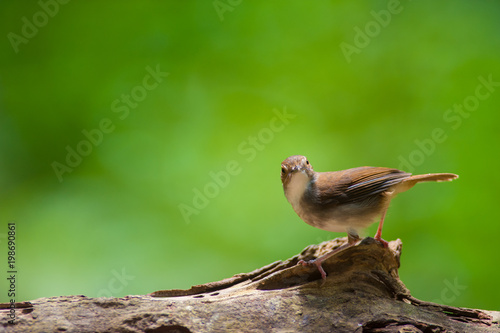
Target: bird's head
293	165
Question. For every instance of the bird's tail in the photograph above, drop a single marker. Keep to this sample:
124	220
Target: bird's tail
409	182
432	177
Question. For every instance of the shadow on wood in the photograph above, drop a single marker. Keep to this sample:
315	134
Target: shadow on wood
363	293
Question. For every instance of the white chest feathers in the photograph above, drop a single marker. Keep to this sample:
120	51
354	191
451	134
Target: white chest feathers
296	188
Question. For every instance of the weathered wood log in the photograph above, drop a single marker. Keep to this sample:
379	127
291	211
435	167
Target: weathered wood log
363	293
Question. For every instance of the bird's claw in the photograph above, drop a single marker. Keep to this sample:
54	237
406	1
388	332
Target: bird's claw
316	263
384	243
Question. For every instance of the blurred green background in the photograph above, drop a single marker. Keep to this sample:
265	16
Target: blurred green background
356	83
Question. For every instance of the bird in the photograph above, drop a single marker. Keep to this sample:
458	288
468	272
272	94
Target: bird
346	200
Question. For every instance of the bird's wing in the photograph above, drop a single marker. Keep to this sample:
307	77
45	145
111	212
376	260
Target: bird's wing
357	184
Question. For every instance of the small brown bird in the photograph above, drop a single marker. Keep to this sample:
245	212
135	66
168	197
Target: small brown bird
347	200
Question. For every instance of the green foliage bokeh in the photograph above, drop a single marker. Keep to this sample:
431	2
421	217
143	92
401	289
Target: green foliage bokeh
360	88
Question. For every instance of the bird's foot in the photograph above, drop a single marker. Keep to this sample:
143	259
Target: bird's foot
316	263
384	243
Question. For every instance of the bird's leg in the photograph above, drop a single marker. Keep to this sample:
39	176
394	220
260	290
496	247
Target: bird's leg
378	235
352	239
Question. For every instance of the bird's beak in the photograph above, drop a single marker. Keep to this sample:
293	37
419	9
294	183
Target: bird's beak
299	168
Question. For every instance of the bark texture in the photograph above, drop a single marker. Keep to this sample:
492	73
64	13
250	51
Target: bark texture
363	293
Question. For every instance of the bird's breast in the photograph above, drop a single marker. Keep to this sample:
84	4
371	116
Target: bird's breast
296	188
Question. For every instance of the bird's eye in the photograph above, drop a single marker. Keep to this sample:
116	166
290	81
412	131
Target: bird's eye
283	170
307	162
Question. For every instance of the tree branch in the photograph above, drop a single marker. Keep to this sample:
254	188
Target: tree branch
363	293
